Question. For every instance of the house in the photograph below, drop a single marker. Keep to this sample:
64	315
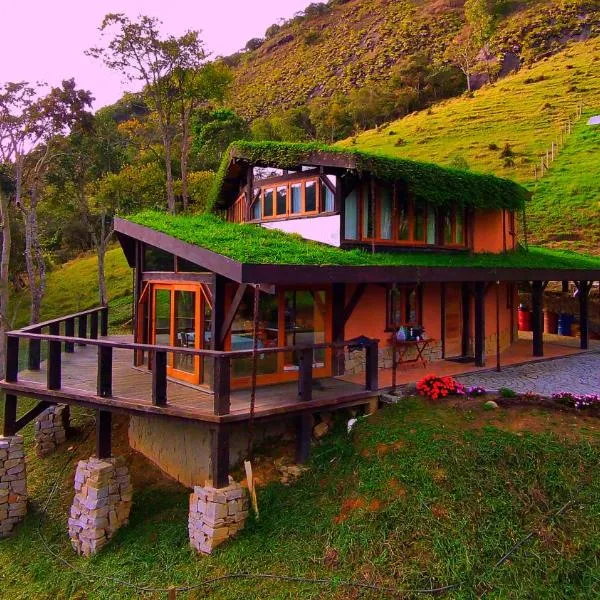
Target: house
319	273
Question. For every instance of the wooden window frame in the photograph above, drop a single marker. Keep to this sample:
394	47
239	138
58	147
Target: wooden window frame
406	289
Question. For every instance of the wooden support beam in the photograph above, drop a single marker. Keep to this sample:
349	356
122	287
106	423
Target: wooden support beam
82	327
230	316
104	380
159	378
565	287
354	300
304	426
480	323
70	332
218	311
10	415
35	352
466	319
36	411
222	385
54	360
103	434
12	359
104	321
372	365
338	300
305	375
94	326
443	317
584	288
537	305
498	366
219	457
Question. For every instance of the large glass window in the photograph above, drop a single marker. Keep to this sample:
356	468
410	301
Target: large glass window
385	214
296	191
403	306
281	200
328	197
185	329
403	219
419	225
310	196
162	317
431	225
158	260
268	203
459	235
351	216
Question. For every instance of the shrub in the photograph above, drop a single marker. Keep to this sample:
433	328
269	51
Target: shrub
434	387
507	393
577	400
493	147
459	162
475	391
507	151
509	162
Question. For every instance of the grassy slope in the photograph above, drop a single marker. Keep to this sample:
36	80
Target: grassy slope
361	41
528	116
74	286
423	495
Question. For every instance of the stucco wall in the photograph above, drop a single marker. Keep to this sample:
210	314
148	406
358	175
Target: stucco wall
320	229
489	235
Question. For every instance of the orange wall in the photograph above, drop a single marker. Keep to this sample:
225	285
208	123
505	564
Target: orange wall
488	231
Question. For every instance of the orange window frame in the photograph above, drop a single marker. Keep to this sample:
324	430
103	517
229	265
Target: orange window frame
288	212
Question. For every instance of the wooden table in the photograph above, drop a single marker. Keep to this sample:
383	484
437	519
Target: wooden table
400	349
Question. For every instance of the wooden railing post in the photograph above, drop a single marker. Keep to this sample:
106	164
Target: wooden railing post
12	359
54	366
372	365
10	415
70	332
104	383
82	327
222	385
305	374
103	434
159	378
104	321
94	326
35	352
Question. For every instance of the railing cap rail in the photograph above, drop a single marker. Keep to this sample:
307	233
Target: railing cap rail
35	326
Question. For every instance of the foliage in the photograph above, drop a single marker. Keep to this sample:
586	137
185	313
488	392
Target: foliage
580	401
434	387
247	243
199	183
507	393
428	182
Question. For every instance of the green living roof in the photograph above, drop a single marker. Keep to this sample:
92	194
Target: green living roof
252	244
428	182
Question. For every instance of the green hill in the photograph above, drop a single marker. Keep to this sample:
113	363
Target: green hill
343	45
526	112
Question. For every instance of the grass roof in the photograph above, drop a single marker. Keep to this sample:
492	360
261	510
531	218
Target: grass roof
427	182
252	244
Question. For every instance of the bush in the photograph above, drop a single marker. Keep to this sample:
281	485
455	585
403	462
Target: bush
507	393
507	151
493	147
434	387
311	38
459	162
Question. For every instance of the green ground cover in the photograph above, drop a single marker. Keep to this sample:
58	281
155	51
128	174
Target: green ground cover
420	495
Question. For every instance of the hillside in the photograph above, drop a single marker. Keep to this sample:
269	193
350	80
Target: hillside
525	111
349	44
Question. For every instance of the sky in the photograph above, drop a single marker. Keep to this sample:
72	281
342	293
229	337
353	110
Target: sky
44	40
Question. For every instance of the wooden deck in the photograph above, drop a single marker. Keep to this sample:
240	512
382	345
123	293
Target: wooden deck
132	391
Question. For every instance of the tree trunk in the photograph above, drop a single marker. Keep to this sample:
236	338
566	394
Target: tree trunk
169	170
101	253
34	259
185	149
4	283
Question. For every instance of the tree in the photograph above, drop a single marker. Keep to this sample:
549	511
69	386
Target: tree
7	188
462	52
479	15
331	117
137	50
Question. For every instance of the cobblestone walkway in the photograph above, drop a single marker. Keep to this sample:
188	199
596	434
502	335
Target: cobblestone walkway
579	374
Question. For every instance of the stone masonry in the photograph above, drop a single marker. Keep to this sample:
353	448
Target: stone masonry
101	505
51	429
13	484
216	515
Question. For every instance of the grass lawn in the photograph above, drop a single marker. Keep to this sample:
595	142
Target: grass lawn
419	496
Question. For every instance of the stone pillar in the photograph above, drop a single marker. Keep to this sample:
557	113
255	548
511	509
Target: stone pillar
101	505
216	514
13	484
51	429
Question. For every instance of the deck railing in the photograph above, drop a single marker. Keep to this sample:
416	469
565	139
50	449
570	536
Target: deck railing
92	326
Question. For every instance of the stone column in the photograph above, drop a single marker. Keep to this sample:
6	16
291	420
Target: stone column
51	429
13	484
101	505
216	514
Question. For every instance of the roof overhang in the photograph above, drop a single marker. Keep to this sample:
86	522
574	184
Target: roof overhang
286	274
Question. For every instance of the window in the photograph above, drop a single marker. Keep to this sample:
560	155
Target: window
454	227
328	196
268	203
281	200
256	211
310	196
431	225
158	260
420	217
403	220
296	191
385	214
404	306
351	216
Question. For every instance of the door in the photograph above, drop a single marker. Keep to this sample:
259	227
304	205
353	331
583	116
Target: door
453	324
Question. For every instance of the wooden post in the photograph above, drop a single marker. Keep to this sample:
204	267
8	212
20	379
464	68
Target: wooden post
10	415
547	159
443	317
104	321
565	287
466	319
82	327
305	374
12	359
104	381
537	301
338	303
103	434
219	457
54	357
70	332
222	385
304	426
159	378
480	323
218	312
583	297
552	151
535	172
498	367
372	365
94	326
35	352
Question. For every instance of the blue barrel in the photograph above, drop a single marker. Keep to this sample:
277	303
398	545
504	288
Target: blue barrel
564	324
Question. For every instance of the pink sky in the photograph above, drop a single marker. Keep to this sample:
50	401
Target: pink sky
44	40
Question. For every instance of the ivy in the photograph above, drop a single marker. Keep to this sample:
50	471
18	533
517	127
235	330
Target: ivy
427	182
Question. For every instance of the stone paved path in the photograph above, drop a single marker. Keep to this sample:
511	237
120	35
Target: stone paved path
579	374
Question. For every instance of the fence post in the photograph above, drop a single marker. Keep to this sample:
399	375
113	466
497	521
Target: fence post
82	328
104	321
305	374
94	326
159	378
12	359
104	382
54	366
372	365
35	350
70	332
222	385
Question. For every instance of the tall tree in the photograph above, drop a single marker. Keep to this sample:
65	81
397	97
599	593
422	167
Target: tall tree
462	52
137	50
6	190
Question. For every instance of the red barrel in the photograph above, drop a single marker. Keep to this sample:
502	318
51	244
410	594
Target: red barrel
525	320
550	322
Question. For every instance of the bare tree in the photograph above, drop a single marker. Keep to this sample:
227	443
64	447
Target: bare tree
462	52
137	50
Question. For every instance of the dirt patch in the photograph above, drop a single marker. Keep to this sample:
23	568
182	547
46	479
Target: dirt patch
349	506
396	488
382	449
439	511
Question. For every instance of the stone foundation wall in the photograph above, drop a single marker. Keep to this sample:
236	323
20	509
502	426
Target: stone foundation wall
101	504
216	515
490	343
51	429
13	484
